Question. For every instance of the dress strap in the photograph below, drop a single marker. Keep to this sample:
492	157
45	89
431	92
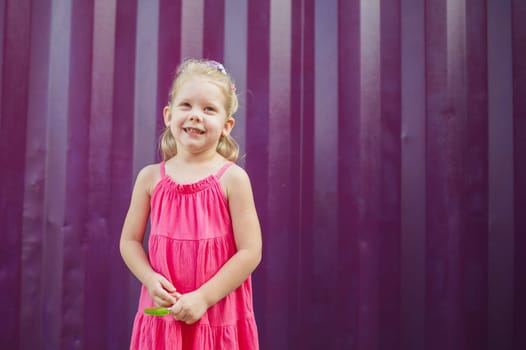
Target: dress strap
161	168
223	169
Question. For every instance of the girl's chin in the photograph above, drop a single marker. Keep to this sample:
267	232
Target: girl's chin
198	147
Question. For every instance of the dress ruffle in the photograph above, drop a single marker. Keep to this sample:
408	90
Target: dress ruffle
167	333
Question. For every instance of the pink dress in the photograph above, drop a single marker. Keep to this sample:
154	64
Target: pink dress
191	238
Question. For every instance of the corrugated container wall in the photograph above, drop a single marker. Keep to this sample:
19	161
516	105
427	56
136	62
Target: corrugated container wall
385	140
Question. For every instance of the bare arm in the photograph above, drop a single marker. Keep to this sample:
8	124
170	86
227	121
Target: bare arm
131	242
237	269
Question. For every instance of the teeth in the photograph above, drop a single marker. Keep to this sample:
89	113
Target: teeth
194	130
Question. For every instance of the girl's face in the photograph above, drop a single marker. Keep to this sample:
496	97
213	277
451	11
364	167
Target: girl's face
197	116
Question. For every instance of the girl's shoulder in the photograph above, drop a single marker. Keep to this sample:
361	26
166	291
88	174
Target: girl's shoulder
150	169
235	172
236	178
149	176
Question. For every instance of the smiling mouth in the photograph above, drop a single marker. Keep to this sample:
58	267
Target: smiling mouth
193	131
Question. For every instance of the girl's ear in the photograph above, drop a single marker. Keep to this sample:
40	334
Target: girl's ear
167	113
229	125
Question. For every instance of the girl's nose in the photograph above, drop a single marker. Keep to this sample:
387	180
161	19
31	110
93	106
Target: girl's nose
194	116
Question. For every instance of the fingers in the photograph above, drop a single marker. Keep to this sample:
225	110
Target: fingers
189	308
177	311
167	285
162	291
163	299
183	313
185	317
168	293
176	295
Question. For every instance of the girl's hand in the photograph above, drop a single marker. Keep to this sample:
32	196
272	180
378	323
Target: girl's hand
190	307
161	291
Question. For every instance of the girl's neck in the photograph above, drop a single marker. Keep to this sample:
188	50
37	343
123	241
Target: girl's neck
186	169
198	159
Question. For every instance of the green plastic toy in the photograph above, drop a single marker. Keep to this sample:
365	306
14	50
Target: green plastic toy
157	311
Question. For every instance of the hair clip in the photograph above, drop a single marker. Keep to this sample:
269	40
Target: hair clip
218	66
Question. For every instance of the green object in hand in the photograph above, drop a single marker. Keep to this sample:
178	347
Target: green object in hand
157	311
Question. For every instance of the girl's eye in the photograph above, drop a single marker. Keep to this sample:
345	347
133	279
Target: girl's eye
209	109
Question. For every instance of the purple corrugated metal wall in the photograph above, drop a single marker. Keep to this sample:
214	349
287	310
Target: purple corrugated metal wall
385	141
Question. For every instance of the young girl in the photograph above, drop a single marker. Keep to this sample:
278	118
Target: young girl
205	238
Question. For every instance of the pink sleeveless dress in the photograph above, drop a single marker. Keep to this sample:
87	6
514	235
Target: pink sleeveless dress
191	238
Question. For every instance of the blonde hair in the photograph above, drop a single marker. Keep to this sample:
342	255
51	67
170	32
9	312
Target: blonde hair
227	146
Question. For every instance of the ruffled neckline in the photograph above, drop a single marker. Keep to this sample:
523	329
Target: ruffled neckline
169	183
